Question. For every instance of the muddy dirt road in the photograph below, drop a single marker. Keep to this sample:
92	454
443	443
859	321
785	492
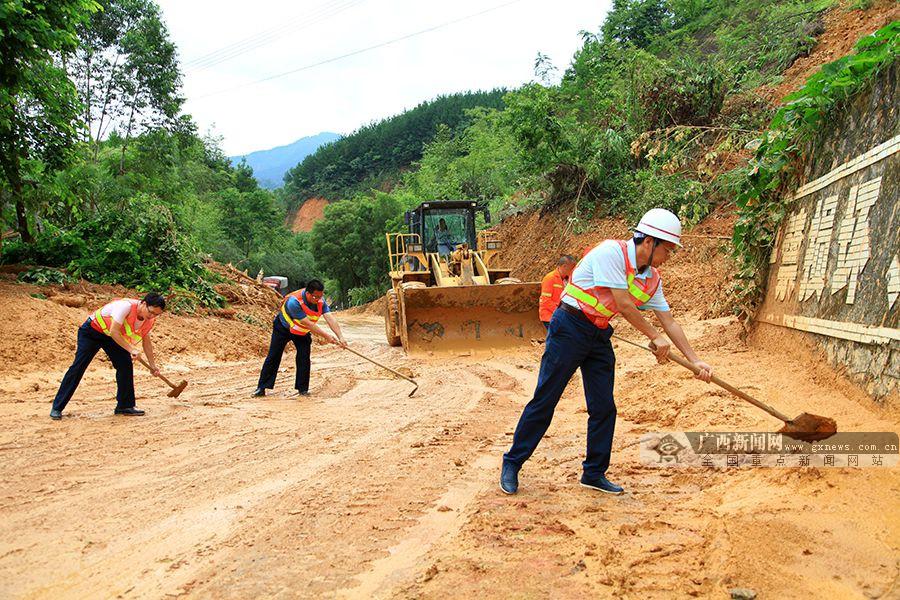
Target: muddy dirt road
360	491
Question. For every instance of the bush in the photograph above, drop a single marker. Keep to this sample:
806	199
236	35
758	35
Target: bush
298	266
136	245
43	276
54	247
364	295
647	188
686	93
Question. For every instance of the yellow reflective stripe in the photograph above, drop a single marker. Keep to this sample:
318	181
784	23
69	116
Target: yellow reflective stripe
557	285
290	321
546	294
581	295
295	322
134	337
636	291
128	331
99	318
586	298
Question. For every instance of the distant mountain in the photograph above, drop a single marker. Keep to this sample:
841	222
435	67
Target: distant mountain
269	166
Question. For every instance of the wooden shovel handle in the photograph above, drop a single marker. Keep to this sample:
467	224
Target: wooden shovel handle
719	382
160	375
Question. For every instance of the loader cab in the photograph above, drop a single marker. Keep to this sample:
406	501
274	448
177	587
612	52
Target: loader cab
445	224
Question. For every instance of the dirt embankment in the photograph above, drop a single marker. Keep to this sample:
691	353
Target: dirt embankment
842	29
45	337
693	279
311	211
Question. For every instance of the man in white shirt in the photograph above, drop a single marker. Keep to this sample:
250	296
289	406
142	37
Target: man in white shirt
615	277
119	328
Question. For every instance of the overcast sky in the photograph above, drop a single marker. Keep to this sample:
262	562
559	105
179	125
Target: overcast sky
265	38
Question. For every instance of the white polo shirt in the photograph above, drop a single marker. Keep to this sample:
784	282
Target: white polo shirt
604	266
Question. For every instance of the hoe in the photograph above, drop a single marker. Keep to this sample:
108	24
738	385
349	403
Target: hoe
176	389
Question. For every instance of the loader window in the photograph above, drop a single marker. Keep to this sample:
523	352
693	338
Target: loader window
446	229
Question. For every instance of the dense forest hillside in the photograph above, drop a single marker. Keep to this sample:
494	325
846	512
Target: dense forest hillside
376	154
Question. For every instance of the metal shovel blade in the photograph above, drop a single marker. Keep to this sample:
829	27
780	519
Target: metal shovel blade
808	427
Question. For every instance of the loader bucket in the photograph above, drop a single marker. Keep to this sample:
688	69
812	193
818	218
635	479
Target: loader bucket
476	317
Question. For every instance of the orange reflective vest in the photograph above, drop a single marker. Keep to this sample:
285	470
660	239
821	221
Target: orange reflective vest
552	286
598	303
129	331
312	315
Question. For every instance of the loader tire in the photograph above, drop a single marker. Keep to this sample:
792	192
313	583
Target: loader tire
392	318
507	280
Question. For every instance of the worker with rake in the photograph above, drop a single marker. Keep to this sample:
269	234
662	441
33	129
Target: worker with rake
300	311
121	328
615	277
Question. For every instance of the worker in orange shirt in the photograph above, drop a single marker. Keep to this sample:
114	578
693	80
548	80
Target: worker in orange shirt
552	287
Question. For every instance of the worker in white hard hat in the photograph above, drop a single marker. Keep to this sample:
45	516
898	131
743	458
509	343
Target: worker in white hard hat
614	277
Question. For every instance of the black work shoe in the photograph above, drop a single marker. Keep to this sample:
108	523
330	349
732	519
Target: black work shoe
509	478
131	412
299	393
55	415
258	392
601	484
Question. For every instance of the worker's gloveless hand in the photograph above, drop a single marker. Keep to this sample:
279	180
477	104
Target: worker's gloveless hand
135	354
705	371
660	347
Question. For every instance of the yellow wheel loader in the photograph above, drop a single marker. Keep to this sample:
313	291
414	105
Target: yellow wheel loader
447	292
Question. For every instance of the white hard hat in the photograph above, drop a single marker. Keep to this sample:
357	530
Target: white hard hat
660	224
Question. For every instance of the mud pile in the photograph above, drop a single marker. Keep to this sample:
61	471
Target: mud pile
39	327
693	278
842	29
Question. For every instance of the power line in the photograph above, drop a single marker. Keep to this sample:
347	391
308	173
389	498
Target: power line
265	37
262	35
361	50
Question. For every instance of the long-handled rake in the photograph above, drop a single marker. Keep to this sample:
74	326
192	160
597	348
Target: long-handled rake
397	373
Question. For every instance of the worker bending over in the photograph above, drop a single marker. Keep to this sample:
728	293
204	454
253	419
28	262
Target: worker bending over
552	288
298	316
119	328
614	277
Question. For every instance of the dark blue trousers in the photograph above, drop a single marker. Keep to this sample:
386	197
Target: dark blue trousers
281	335
89	343
571	343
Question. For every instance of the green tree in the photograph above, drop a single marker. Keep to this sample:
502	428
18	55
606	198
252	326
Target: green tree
38	104
250	219
349	243
126	71
637	22
243	177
